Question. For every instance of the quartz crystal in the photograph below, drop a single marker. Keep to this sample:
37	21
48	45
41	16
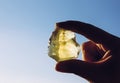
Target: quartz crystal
63	45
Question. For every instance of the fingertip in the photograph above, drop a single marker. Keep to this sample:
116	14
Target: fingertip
65	66
61	24
61	66
58	67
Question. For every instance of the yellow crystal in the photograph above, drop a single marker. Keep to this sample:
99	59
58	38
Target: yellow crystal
63	45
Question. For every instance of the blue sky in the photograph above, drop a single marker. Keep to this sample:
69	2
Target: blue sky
25	28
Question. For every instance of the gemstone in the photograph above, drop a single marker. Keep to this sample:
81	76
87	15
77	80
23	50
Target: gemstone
63	45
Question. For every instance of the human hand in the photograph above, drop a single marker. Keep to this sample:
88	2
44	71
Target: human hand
101	54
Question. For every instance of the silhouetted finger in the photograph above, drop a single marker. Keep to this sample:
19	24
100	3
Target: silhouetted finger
91	52
84	69
91	32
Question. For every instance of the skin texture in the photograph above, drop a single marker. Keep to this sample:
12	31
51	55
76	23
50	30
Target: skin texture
101	54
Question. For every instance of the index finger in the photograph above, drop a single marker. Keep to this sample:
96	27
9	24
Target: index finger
91	32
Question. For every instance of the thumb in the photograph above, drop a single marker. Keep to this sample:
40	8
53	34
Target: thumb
84	69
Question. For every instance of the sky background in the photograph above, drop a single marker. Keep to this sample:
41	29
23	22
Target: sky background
25	28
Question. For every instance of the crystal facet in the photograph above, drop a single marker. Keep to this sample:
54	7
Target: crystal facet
63	45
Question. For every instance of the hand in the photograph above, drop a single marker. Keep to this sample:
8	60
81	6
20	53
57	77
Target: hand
101	54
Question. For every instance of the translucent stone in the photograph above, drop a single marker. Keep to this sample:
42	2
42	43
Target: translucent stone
63	45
